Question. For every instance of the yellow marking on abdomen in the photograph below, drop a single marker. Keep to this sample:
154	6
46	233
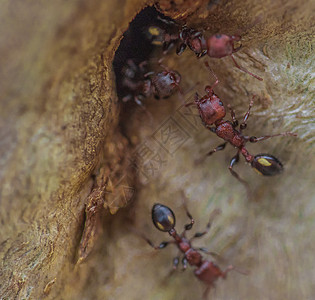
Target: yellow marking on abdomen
258	171
170	218
264	162
160	225
154	31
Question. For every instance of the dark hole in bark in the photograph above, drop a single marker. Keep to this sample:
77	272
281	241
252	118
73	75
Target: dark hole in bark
135	45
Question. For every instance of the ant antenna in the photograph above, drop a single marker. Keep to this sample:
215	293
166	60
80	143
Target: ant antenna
208	90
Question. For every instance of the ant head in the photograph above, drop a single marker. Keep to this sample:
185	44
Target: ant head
196	44
169	77
221	45
267	164
163	217
210	107
166	83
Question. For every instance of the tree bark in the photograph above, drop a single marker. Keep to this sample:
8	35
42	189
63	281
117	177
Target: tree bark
58	127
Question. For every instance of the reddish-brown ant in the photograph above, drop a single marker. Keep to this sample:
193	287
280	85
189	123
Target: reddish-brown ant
141	84
215	46
208	272
212	112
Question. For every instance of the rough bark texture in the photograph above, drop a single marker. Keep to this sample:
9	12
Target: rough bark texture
58	125
58	106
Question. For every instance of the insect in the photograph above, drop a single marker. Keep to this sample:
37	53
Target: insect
141	84
212	113
208	272
215	46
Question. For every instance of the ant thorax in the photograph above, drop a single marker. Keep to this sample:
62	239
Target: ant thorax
226	131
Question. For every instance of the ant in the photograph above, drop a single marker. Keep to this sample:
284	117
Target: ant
142	84
187	37
208	272
215	46
212	112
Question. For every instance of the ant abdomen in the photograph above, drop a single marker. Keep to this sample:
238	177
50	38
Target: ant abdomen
267	164
163	217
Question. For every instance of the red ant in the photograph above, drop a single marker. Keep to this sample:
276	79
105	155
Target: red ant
208	272
142	84
212	112
215	46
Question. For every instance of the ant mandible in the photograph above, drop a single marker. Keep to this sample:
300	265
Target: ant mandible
215	46
208	272
212	112
142	84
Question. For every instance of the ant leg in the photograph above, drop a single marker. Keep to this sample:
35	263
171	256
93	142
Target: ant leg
244	123
175	263
211	218
236	38
189	104
206	251
181	48
163	66
233	161
148	74
201	54
192	221
127	98
227	270
184	262
232	112
206	292
212	129
237	49
196	99
138	101
208	90
254	139
219	148
171	272
161	246
167	46
244	70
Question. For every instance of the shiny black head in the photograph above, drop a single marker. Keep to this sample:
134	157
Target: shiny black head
267	165
163	217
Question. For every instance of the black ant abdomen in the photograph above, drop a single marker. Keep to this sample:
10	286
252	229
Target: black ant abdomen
267	165
163	217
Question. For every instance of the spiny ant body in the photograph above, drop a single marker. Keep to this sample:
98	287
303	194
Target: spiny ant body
141	84
212	113
208	272
215	46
